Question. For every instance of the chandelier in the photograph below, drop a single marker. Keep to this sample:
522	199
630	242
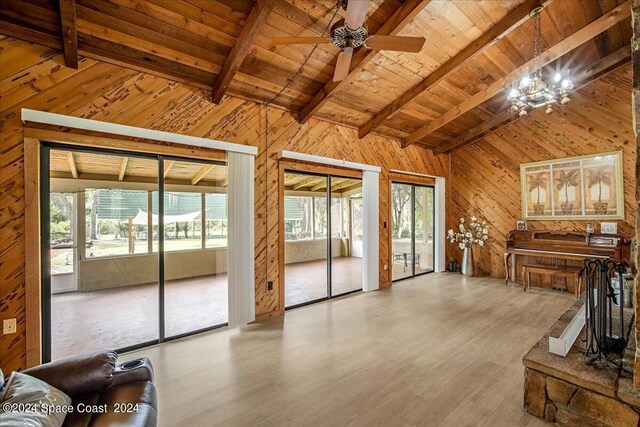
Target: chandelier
532	91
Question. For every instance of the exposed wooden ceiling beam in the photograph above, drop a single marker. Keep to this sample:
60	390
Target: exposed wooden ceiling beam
476	132
201	174
123	168
400	19
305	183
34	36
247	36
592	73
320	185
351	188
168	164
581	36
510	22
69	32
72	165
49	40
346	185
133	180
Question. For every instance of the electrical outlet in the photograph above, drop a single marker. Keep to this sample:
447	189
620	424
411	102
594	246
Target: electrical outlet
9	326
270	285
386	267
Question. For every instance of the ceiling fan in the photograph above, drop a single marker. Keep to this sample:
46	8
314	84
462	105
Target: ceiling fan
350	33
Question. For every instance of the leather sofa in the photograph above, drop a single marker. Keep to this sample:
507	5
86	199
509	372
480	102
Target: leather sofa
124	391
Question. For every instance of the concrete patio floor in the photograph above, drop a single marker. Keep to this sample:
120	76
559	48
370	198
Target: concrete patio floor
122	317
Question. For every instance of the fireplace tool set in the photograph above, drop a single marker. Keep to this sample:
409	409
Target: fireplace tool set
601	299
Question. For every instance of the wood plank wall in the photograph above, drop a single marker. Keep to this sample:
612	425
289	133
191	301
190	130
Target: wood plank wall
486	175
35	77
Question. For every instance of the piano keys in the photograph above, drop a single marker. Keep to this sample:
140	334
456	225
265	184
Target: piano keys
560	249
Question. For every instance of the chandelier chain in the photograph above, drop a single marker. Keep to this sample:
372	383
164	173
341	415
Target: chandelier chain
538	46
532	90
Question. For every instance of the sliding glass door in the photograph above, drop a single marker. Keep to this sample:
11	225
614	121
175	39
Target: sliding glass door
412	225
320	237
195	246
305	228
346	235
134	249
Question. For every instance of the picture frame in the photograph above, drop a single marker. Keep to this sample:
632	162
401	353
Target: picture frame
574	188
590	228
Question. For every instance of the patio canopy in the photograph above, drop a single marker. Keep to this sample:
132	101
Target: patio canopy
142	219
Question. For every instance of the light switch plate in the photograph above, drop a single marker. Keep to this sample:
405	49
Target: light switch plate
608	227
9	326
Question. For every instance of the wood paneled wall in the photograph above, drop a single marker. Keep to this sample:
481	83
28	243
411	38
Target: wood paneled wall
35	77
486	175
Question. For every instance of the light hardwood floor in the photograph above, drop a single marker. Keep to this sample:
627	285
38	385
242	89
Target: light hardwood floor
439	349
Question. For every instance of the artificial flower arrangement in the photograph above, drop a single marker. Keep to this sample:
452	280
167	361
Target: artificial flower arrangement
471	232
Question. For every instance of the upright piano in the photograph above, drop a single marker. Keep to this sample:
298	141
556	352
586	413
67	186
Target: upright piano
559	249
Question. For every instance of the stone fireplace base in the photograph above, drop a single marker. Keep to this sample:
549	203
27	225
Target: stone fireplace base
566	391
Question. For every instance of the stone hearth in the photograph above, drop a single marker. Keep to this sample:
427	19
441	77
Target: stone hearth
566	391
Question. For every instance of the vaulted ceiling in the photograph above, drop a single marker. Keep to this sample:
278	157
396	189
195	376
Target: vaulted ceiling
447	95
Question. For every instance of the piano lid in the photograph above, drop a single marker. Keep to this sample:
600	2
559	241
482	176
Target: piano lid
557	239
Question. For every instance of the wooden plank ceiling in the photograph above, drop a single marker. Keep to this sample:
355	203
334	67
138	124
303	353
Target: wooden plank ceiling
107	167
441	98
295	182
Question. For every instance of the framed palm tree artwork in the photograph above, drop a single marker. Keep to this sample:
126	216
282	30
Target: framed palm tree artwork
585	187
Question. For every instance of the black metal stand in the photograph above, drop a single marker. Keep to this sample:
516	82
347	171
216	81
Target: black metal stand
600	299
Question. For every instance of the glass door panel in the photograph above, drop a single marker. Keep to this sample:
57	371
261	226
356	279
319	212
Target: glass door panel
113	302
195	246
423	229
306	221
63	237
346	235
401	230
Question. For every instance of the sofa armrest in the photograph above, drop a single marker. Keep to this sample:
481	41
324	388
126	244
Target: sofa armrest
134	370
78	375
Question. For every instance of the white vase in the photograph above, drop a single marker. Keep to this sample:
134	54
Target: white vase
467	267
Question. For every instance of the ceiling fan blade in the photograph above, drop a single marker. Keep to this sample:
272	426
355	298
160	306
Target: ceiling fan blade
356	13
400	44
342	65
300	40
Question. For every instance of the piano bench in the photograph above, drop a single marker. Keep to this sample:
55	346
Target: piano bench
567	272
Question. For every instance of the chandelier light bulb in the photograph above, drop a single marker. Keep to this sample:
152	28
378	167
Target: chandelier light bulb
532	91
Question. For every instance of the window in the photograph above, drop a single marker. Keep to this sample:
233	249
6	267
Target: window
298	217
112	216
320	215
216	226
182	221
62	226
